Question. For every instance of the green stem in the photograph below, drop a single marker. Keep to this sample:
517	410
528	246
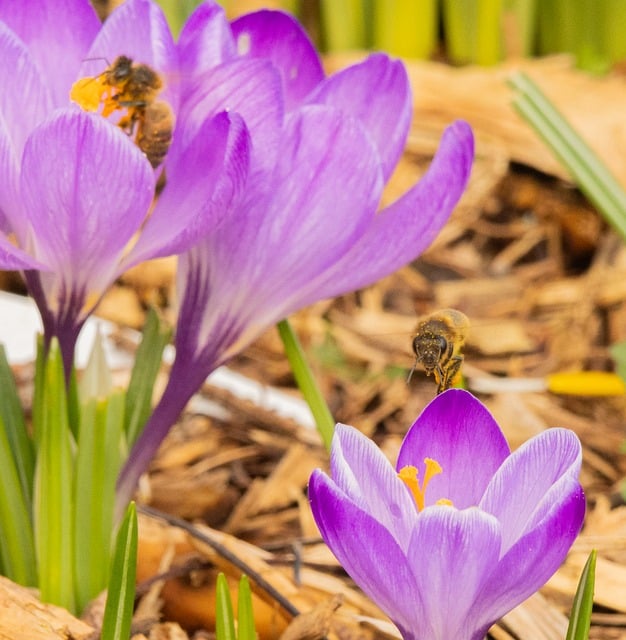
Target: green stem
306	382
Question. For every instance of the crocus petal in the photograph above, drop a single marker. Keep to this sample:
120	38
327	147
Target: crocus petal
57	34
86	189
399	233
9	189
24	99
278	37
290	239
14	259
202	182
459	433
306	230
139	30
367	551
377	92
524	480
534	558
205	41
362	472
451	552
252	89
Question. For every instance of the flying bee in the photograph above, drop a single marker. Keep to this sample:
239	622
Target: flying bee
132	88
437	345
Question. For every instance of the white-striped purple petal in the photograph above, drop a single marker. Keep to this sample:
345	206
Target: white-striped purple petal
362	472
86	190
523	483
368	552
451	554
57	34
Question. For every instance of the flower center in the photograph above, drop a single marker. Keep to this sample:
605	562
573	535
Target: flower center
409	474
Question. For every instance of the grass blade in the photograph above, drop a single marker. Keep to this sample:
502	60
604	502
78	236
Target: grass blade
224	618
12	417
156	335
97	464
53	494
118	612
306	382
245	616
17	550
589	172
580	617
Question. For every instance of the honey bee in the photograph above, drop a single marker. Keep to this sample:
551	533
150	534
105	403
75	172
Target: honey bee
437	345
133	88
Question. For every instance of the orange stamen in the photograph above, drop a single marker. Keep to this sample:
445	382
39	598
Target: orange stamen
408	475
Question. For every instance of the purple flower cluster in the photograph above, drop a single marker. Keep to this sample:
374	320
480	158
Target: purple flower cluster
273	180
462	530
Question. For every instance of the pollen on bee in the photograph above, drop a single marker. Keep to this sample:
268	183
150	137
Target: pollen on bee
87	92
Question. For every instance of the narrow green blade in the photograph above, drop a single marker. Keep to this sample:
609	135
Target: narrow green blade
53	494
118	612
17	549
245	615
97	464
12	416
580	618
306	382
224	618
156	335
590	173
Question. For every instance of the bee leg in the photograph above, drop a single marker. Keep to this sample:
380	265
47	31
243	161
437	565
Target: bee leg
452	374
440	378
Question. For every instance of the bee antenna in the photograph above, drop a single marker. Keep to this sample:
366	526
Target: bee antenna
97	59
408	379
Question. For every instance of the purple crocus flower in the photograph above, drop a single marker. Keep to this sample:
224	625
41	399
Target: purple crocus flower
462	530
75	191
308	225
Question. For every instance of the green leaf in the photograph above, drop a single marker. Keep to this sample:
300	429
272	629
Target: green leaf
97	463
17	549
224	618
12	417
53	494
591	175
118	612
245	616
580	618
306	382
156	335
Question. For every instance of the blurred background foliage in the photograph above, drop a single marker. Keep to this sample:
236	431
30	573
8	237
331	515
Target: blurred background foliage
480	32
